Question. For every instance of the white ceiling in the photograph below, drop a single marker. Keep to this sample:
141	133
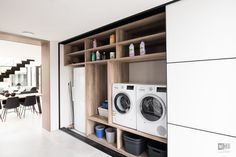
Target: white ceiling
58	20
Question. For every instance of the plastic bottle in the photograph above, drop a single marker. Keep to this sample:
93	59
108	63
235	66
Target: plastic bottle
104	56
94	43
93	56
112	39
98	55
131	50
142	48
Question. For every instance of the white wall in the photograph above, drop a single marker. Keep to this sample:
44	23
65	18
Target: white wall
10	51
65	106
54	85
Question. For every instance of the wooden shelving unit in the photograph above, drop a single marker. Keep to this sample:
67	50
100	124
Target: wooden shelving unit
74	53
101	74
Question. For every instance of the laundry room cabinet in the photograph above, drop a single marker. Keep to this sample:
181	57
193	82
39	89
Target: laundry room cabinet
186	142
201	78
107	60
202	95
200	29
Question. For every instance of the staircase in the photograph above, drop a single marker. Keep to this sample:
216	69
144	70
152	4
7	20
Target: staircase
14	68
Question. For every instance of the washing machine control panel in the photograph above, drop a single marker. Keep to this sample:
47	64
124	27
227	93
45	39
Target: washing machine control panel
130	88
161	89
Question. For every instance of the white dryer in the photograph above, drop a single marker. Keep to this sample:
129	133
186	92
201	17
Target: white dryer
123	104
151	110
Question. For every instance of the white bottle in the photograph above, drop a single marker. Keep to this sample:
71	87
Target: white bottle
131	50
142	48
97	55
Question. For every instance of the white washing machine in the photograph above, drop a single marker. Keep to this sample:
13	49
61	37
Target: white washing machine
124	104
151	110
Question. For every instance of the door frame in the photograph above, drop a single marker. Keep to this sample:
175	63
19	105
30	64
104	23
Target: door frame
45	56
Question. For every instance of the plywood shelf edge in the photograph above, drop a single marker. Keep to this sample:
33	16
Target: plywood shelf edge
145	38
76	64
147	57
99	119
102	47
76	53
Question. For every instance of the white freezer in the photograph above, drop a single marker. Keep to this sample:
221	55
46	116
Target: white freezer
185	142
80	120
78	94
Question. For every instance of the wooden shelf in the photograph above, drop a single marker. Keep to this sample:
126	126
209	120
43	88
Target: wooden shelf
76	53
102	141
98	62
76	64
143	22
102	34
99	119
122	151
163	140
105	47
81	41
145	38
147	57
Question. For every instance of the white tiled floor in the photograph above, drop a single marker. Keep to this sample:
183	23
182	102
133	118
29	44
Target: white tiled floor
26	138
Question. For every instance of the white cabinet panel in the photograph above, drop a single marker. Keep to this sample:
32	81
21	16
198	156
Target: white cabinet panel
80	117
79	99
203	95
201	29
184	142
79	84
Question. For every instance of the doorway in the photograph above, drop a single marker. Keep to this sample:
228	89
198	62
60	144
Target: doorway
43	70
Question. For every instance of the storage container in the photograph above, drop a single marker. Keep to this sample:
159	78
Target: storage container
110	135
100	131
103	112
157	149
104	104
134	144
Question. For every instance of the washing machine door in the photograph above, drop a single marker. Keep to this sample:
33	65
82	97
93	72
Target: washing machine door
152	108
122	103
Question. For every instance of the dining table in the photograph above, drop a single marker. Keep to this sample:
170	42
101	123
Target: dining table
21	96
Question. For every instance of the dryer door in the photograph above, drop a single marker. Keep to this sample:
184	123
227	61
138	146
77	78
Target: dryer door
152	108
122	103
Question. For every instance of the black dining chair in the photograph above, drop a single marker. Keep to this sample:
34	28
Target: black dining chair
11	103
0	109
29	103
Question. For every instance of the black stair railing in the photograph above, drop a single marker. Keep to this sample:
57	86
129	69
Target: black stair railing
14	69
